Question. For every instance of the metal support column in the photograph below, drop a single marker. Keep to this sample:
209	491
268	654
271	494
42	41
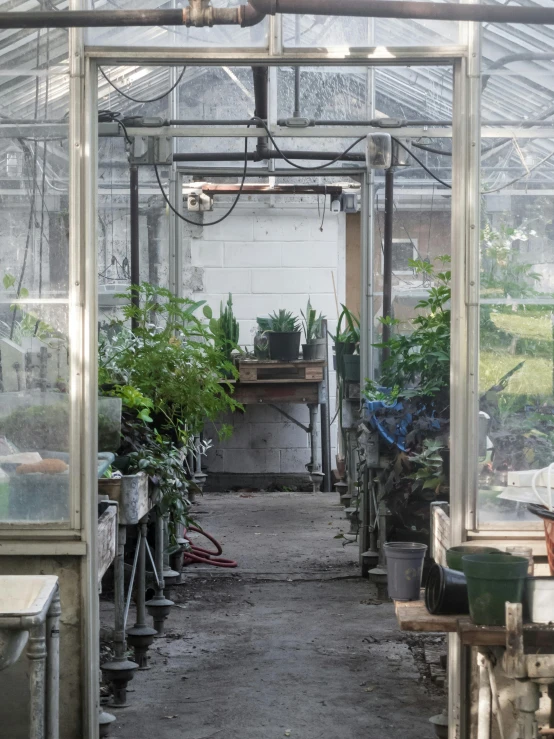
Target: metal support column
325	418
120	670
315	438
387	256
159	606
53	668
141	636
134	228
36	653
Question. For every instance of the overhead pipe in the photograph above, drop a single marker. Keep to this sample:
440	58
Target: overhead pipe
255	157
408	9
199	14
261	76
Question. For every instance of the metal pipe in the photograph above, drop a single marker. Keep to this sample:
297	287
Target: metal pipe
387	256
260	76
135	251
91	18
213	121
296	113
119	593
256	10
254	157
325	417
409	9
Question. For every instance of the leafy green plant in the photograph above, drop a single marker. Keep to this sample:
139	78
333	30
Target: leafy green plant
429	478
313	324
279	323
419	363
172	358
503	274
348	328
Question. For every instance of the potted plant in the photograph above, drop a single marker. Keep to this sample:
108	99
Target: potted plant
347	344
226	330
283	331
314	348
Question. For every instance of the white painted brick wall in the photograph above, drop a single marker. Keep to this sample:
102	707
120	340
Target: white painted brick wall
270	258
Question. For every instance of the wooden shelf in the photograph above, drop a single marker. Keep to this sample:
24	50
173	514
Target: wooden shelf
414	616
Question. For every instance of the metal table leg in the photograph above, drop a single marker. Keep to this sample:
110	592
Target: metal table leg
36	653
53	668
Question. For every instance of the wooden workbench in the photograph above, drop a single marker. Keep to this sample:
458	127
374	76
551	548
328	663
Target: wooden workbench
414	616
301	382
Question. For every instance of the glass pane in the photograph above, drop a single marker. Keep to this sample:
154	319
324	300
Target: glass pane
34	414
34	217
175	36
516	369
328	31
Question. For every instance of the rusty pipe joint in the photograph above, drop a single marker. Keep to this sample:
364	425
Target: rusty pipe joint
201	14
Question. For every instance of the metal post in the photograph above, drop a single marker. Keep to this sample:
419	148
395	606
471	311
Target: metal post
53	668
135	251
387	256
159	606
316	473
140	637
36	653
325	417
484	711
119	671
170	576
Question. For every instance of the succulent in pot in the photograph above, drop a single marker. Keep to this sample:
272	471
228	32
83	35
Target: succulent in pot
314	348
283	332
347	344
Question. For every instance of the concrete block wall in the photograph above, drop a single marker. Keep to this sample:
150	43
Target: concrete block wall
269	256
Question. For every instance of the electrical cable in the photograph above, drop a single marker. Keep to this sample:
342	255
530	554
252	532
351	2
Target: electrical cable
108	116
231	209
137	100
517	179
423	166
299	166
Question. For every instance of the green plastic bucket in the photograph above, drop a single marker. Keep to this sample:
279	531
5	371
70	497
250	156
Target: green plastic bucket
454	555
492	580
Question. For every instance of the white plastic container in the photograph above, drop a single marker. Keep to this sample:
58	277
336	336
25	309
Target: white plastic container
539	597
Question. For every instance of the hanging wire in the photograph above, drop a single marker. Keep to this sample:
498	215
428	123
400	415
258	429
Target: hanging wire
137	100
517	179
231	209
299	166
423	166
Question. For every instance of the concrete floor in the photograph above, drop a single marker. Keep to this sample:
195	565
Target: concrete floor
292	643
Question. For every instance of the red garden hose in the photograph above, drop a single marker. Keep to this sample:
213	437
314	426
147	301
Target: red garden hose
205	556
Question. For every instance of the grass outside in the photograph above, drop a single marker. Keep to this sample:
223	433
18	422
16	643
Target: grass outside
521	326
534	378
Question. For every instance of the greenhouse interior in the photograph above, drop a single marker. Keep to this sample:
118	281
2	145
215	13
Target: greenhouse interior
276	369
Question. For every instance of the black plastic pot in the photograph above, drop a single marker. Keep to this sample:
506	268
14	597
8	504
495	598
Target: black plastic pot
343	348
446	591
351	367
284	346
315	350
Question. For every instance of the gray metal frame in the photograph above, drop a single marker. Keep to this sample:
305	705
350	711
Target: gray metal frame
275	56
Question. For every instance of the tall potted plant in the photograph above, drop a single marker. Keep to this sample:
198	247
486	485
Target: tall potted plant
314	348
347	345
226	332
283	331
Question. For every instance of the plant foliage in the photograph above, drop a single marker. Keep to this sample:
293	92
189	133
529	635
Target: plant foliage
313	324
279	323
